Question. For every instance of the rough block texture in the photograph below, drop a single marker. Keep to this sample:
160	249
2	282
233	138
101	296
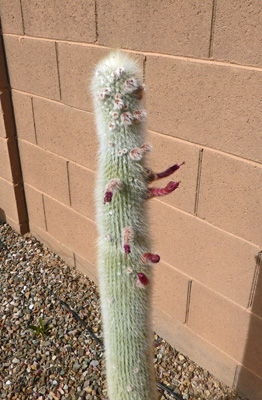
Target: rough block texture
11	202
219	260
198	349
7	129
23	113
237	32
76	66
82	187
248	383
227	326
73	20
35	207
32	65
5	168
3	75
9	162
70	228
213	105
230	195
174	299
86	267
65	131
11	16
184	25
44	171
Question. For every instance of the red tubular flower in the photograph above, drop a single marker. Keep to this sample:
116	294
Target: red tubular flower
143	279
127	249
148	257
108	197
170	187
167	172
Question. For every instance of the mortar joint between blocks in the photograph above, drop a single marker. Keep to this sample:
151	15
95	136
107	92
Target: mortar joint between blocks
96	22
144	69
189	289
22	16
255	280
212	29
58	71
43	201
33	114
200	158
68	182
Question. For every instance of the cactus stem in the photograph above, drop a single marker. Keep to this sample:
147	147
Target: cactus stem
170	187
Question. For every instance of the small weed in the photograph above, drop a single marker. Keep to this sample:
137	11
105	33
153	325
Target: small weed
42	329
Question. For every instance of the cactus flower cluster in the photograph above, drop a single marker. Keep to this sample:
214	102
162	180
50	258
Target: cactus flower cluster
124	249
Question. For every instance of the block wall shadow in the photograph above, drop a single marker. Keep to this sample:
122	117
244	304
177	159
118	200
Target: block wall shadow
248	380
2	215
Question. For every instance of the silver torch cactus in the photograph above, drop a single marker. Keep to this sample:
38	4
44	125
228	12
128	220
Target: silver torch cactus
124	255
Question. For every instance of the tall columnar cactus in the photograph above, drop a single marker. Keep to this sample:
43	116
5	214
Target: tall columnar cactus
125	259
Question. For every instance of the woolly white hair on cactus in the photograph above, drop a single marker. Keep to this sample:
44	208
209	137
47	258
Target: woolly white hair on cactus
124	258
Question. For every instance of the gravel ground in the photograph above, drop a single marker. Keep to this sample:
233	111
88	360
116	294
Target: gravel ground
68	363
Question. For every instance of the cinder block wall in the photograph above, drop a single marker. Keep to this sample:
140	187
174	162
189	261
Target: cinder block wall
203	70
12	197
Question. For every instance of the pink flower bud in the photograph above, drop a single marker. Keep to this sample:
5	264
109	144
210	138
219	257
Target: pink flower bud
143	279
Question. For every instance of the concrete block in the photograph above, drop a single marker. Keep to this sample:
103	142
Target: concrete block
185	26
170	291
11	16
32	65
23	114
54	19
72	229
248	384
7	128
8	200
196	348
76	66
212	105
210	255
66	131
5	168
44	171
237	32
9	161
35	207
3	75
82	189
230	195
227	326
87	268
